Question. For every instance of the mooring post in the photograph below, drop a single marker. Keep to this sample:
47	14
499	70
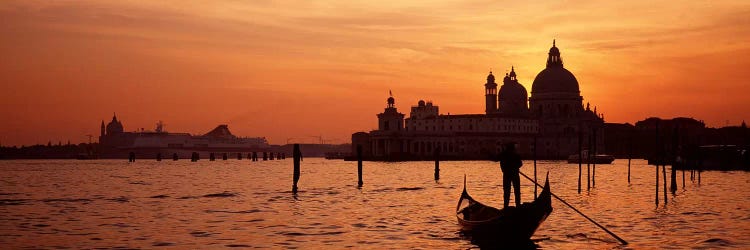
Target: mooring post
194	157
588	166
239	155
630	153
676	159
437	164
657	184
265	156
211	157
673	183
359	166
535	180
175	157
297	159
593	164
158	156
699	165
131	157
224	157
580	156
657	161
664	174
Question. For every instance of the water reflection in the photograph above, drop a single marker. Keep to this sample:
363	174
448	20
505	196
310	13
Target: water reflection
110	204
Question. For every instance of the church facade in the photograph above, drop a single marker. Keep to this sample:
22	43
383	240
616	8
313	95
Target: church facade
550	123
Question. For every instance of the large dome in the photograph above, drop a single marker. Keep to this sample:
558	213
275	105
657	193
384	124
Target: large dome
555	79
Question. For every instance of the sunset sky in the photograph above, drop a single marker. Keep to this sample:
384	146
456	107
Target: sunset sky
290	70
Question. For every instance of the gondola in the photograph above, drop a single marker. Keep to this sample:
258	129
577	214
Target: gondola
509	225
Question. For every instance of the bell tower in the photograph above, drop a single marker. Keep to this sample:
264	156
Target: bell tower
490	94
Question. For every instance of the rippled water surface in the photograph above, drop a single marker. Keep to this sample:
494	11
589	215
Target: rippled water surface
149	204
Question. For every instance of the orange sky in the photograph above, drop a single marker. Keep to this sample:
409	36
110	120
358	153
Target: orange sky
292	70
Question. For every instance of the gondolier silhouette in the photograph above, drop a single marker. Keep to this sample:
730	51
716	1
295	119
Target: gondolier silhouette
510	163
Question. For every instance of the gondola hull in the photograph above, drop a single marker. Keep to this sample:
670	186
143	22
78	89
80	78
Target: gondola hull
512	224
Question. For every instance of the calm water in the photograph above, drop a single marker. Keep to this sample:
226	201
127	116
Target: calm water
149	204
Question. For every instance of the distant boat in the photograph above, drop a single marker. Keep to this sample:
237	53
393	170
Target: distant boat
336	155
86	157
508	226
596	158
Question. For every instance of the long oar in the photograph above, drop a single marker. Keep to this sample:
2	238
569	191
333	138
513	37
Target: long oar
579	212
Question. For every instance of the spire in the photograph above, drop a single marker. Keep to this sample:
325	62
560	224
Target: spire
553	42
512	73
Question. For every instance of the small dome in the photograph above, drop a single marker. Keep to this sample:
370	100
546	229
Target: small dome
391	100
490	78
513	98
554	51
512	91
421	103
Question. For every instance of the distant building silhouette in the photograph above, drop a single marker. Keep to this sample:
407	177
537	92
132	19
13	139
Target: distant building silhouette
554	114
114	142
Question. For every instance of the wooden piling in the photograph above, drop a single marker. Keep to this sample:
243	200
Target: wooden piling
593	164
588	166
437	164
359	166
657	160
535	180
265	156
296	174
211	157
175	157
664	174
158	156
673	182
239	156
194	157
580	156
630	154
675	157
657	184
224	157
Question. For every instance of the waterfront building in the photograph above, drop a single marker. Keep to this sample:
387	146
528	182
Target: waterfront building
549	122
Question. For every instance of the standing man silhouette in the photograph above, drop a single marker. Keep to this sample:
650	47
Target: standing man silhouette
510	163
